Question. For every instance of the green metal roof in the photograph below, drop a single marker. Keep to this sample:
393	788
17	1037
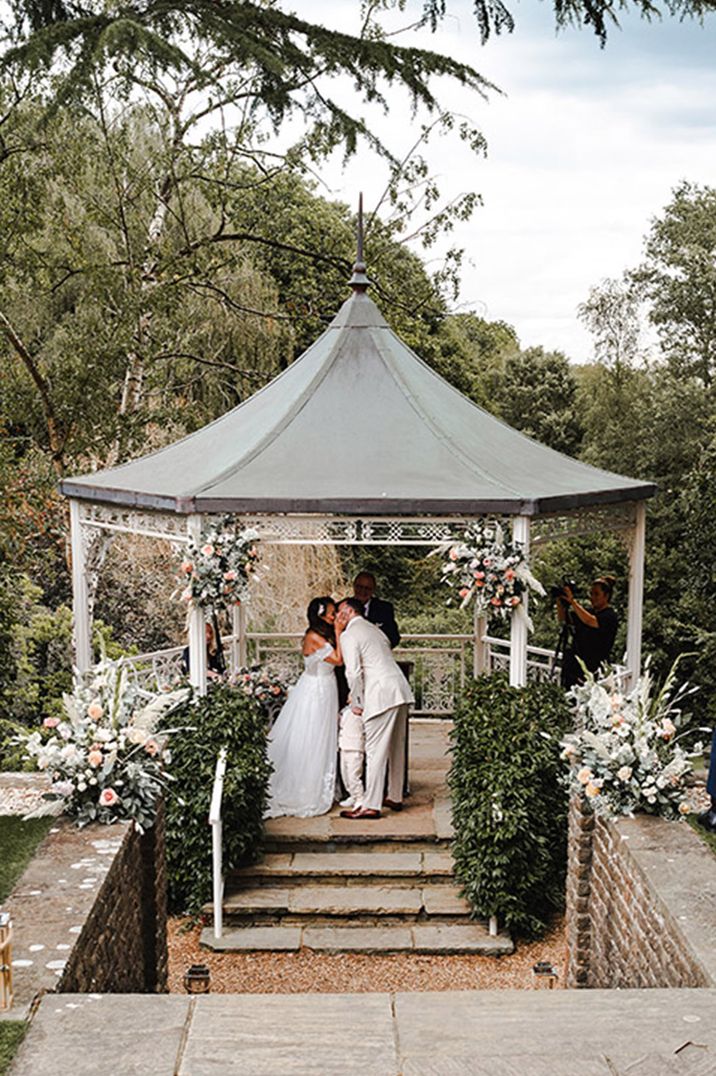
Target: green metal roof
358	424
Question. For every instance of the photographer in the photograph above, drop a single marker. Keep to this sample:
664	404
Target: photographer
593	629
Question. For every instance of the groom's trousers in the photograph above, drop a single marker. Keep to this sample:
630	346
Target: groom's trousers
385	748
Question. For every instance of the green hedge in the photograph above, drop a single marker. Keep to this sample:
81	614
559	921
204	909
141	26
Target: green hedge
509	801
224	717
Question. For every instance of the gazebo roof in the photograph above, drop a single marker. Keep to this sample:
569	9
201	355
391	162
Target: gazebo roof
358	424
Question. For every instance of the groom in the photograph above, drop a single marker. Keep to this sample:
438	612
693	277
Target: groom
381	695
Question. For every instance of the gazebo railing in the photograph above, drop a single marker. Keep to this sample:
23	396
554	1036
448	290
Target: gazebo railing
439	664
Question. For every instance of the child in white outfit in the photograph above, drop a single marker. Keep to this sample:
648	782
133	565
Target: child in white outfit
351	742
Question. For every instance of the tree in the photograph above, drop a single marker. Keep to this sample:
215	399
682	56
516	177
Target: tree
678	276
611	314
537	395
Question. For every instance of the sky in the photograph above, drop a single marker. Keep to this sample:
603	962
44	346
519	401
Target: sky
585	146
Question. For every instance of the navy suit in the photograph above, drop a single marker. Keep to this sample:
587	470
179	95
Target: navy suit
382	615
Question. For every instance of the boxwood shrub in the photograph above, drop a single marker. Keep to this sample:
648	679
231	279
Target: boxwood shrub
223	717
509	801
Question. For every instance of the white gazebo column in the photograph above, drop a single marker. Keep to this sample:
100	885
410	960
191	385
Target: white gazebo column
480	647
637	546
82	628
518	624
239	642
197	625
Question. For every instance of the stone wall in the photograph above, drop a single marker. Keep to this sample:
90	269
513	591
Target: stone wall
641	903
123	944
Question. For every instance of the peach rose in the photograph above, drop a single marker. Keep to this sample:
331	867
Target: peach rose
208	550
94	710
108	797
95	758
591	790
151	747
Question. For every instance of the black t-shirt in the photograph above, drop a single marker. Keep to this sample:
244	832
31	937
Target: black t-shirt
594	645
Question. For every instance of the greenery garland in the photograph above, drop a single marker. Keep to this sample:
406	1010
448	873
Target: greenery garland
488	569
215	572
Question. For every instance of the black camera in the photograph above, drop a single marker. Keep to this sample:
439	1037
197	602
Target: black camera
559	592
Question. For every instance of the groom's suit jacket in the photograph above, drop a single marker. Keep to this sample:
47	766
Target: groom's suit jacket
375	681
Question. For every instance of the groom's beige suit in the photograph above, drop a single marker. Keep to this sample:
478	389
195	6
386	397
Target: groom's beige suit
379	688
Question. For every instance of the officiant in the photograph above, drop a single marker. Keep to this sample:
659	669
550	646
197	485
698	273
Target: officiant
375	610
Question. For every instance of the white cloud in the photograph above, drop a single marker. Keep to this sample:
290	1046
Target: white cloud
583	150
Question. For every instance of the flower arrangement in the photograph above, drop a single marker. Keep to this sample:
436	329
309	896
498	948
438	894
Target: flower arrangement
488	569
215	573
625	756
105	760
260	683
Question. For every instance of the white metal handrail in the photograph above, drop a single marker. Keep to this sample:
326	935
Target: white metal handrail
217	867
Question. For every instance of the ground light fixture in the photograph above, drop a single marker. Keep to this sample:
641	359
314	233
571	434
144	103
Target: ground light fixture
197	979
545	975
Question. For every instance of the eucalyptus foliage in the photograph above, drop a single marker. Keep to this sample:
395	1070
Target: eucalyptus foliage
226	717
509	801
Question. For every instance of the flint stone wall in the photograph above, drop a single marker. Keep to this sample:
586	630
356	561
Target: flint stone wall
641	903
123	944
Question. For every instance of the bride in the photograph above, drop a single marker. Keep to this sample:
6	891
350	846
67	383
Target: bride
303	742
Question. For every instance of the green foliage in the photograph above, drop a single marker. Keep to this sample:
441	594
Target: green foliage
12	1032
18	841
509	801
537	395
678	276
224	717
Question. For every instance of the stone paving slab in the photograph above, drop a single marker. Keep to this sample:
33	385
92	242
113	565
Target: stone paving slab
437	863
357	863
257	899
252	939
457	1033
280	1035
354	900
462	938
564	1026
51	901
390	939
93	1035
444	900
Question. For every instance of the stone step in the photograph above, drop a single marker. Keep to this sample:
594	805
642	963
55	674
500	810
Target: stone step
439	939
323	903
346	867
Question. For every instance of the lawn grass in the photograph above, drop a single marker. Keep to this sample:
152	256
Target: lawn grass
709	839
12	1032
18	841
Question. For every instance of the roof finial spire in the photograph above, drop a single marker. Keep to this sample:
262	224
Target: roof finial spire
359	281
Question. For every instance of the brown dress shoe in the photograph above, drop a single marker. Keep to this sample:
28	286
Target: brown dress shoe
360	812
393	805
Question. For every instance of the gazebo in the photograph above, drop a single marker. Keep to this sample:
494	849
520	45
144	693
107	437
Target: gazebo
412	463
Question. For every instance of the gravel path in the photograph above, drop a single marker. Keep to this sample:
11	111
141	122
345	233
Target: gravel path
352	973
21	793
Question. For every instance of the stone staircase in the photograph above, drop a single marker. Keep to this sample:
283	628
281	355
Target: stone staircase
333	885
344	895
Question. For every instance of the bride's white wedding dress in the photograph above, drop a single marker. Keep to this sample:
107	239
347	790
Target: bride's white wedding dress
303	743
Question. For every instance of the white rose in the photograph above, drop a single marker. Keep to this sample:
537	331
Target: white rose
624	773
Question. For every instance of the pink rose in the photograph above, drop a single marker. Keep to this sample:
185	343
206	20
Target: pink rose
187	567
231	575
464	592
479	575
95	758
151	747
94	710
208	550
51	722
509	575
108	797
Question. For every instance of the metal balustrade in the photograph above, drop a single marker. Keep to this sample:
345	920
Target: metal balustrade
439	664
